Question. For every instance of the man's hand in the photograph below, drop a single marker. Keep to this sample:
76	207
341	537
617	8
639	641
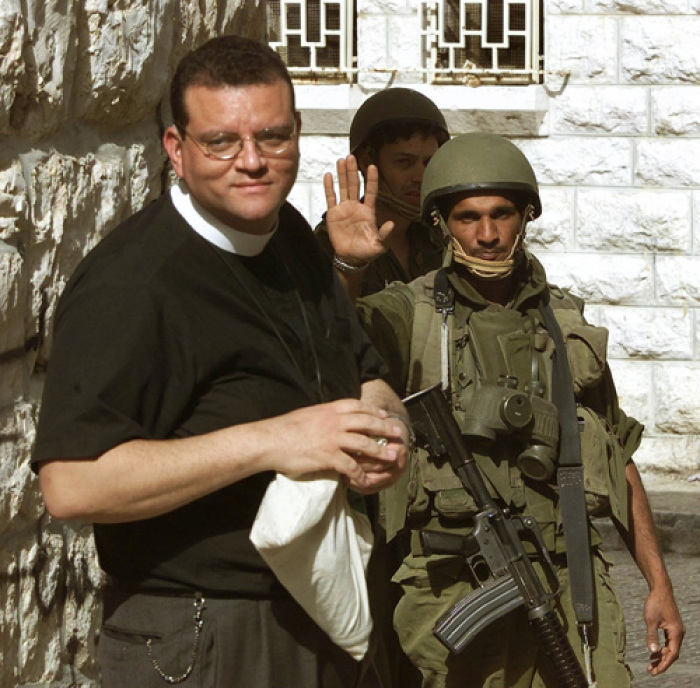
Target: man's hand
661	614
352	224
358	440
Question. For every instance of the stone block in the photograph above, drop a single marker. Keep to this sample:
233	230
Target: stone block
677	399
633	381
588	161
668	455
9	617
675	110
13	203
404	46
565	7
554	229
666	163
696	225
319	155
299	197
640	7
12	64
384	6
649	333
605	279
21	504
600	110
678	280
372	45
125	69
584	46
628	220
660	50
43	55
12	303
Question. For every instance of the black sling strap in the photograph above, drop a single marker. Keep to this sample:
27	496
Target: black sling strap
570	476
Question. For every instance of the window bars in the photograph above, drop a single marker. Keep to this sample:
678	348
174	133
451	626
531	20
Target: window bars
481	40
314	37
460	41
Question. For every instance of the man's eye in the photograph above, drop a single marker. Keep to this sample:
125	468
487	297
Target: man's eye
274	137
221	143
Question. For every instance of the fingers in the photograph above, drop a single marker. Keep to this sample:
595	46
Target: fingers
353	178
329	190
385	231
348	179
371	186
661	658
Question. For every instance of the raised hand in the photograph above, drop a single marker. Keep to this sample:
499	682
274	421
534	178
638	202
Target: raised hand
351	222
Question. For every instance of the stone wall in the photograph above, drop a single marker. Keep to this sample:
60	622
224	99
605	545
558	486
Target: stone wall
81	84
614	136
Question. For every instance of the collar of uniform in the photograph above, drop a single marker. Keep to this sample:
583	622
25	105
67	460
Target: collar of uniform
213	230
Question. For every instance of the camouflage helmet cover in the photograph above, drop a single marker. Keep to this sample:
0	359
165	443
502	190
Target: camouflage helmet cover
478	162
394	105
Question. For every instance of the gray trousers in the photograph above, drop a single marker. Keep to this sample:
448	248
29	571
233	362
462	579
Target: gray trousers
152	641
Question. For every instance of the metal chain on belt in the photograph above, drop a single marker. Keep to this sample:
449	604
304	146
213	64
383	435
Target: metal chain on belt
198	623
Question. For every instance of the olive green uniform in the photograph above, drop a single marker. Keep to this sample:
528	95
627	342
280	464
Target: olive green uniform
426	248
485	341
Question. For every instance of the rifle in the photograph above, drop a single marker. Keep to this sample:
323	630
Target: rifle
494	552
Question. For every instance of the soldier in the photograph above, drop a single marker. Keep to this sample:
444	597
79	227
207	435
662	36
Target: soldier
477	327
397	130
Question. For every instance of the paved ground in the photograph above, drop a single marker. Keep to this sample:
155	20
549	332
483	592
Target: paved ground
677	514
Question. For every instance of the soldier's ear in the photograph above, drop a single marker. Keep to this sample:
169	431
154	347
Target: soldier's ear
364	159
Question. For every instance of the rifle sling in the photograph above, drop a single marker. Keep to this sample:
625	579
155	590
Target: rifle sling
570	476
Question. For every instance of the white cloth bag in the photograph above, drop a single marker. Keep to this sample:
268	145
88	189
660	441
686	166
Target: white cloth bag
318	546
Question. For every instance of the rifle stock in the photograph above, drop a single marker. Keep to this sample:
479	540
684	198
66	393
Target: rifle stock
495	546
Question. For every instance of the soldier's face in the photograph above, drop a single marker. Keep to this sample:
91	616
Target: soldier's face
485	226
402	164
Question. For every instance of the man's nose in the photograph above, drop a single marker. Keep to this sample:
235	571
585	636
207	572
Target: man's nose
487	232
249	157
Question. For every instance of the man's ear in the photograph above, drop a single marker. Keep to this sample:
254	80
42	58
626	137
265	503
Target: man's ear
297	119
172	142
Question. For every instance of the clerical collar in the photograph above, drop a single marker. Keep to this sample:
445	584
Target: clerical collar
212	229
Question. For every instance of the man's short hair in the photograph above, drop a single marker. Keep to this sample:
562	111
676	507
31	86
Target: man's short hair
225	61
390	132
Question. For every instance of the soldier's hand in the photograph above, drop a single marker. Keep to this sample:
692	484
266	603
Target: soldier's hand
661	614
352	224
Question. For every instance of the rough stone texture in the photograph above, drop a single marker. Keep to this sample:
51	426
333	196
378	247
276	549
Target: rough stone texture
659	50
585	47
80	90
675	111
600	109
659	333
580	161
633	220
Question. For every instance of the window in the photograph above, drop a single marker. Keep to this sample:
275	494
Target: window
314	37
485	40
437	41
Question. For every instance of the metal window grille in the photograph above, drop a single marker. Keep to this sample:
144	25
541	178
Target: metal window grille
314	37
481	40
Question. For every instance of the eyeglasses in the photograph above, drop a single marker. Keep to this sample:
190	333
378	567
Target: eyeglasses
226	145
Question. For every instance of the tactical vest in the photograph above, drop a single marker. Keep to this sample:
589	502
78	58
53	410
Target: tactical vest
491	359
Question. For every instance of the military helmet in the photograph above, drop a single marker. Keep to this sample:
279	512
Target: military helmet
394	105
478	162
